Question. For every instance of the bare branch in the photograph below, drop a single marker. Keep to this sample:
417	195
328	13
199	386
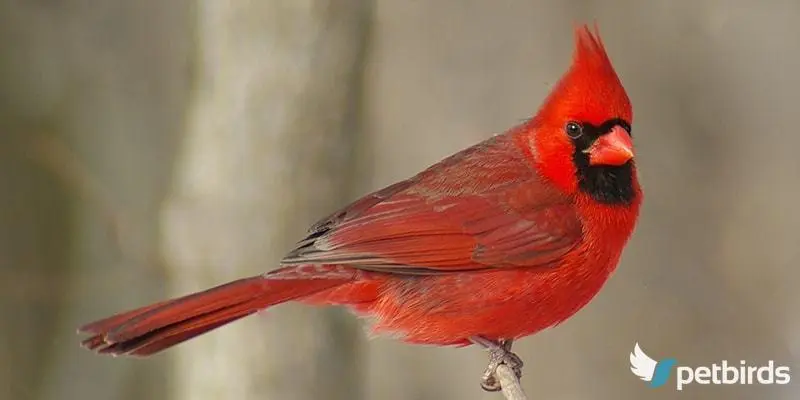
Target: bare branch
509	383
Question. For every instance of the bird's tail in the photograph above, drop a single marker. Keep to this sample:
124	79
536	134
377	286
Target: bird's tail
150	329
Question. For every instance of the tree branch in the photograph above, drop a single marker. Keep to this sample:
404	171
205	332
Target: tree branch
509	383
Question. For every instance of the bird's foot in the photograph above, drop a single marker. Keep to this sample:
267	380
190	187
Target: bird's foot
499	353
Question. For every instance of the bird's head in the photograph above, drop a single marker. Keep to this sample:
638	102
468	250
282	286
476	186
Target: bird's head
581	136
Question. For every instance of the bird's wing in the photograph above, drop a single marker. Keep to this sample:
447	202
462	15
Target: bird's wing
499	214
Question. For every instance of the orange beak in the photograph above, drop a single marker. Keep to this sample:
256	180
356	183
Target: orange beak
614	148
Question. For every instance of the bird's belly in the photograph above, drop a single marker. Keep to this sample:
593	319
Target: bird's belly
503	304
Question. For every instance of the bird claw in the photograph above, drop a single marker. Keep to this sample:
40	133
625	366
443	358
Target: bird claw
499	353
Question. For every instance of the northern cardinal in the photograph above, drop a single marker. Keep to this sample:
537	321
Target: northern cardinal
499	241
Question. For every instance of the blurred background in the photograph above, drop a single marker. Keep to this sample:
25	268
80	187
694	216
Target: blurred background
152	148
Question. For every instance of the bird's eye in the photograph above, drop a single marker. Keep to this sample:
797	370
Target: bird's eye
574	130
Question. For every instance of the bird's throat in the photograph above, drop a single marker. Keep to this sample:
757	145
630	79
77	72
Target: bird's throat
613	185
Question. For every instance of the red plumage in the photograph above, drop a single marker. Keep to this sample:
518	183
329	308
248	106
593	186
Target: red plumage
499	241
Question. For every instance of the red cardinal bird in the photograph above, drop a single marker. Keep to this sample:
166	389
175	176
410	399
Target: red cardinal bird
497	242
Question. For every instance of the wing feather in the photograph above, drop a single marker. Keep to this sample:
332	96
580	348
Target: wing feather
429	224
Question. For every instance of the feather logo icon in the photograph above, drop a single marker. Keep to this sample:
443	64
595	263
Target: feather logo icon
648	369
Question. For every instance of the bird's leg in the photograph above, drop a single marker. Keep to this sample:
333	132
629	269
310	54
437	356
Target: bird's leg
499	353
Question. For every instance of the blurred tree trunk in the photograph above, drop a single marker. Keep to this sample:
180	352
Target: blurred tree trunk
268	149
34	220
34	214
92	110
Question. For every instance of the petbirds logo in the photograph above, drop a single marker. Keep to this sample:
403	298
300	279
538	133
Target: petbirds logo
647	369
723	373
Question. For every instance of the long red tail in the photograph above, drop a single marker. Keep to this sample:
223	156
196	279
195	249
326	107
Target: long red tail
150	329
